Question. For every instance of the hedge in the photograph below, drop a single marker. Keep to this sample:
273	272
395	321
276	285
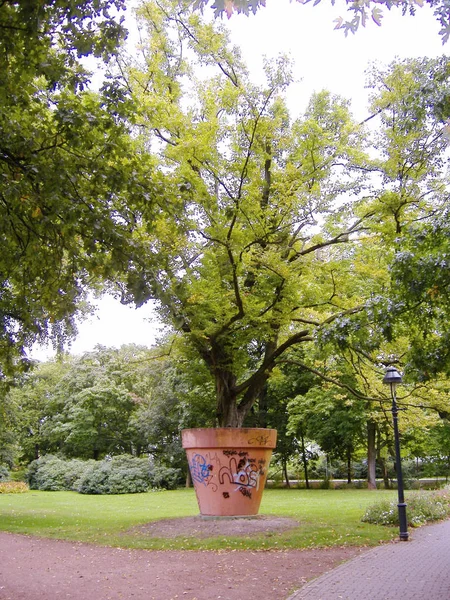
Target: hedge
117	475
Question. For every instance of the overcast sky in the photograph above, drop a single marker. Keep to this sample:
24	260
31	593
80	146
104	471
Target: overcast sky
324	59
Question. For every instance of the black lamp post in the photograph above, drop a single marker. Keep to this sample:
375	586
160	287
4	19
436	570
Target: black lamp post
393	378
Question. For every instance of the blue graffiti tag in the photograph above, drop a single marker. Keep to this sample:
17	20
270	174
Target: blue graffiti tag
200	469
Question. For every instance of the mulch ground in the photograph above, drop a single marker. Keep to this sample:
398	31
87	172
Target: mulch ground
41	569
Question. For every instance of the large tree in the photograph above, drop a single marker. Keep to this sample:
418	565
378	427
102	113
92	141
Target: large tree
275	232
79	407
247	258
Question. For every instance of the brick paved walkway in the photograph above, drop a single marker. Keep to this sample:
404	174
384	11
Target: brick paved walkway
417	570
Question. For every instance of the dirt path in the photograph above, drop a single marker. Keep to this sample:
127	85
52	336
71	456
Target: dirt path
41	569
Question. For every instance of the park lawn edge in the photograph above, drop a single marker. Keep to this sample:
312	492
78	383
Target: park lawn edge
327	518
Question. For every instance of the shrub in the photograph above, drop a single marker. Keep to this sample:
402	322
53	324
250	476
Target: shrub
422	507
381	513
53	474
120	475
18	474
13	487
96	479
4	473
130	481
166	478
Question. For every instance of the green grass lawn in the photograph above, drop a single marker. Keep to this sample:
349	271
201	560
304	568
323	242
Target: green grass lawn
326	518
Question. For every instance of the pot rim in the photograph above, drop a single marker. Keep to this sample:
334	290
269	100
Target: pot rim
229	437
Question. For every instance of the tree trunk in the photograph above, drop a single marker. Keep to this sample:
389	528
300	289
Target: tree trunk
371	455
285	473
304	460
188	478
349	465
383	465
227	410
382	462
231	412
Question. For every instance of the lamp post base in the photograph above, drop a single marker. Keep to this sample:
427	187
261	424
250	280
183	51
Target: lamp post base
404	535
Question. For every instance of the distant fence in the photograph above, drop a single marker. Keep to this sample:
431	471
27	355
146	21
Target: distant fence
423	484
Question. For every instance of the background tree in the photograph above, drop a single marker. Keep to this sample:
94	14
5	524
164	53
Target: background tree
30	398
413	108
271	410
8	440
332	417
131	400
78	407
178	395
420	271
438	453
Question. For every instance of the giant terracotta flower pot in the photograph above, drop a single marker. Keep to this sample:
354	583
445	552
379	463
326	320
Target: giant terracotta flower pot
229	468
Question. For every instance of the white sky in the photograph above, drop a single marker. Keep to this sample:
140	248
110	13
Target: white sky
324	59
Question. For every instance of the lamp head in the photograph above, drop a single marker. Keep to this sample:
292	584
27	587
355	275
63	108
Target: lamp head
392	377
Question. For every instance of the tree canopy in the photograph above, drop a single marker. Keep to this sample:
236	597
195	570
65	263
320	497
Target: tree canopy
274	232
68	167
183	181
243	257
360	12
112	401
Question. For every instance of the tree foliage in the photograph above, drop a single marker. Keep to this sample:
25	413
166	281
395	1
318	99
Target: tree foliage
288	382
420	271
68	168
278	231
79	407
244	257
407	198
106	402
360	12
415	107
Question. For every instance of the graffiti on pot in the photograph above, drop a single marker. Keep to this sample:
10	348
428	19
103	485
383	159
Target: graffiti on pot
244	473
234	468
235	453
201	470
260	440
245	492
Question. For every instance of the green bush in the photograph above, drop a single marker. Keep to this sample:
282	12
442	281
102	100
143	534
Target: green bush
53	474
4	473
166	478
119	475
96	479
422	507
18	474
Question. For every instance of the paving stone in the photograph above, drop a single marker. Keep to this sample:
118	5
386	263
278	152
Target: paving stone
418	569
